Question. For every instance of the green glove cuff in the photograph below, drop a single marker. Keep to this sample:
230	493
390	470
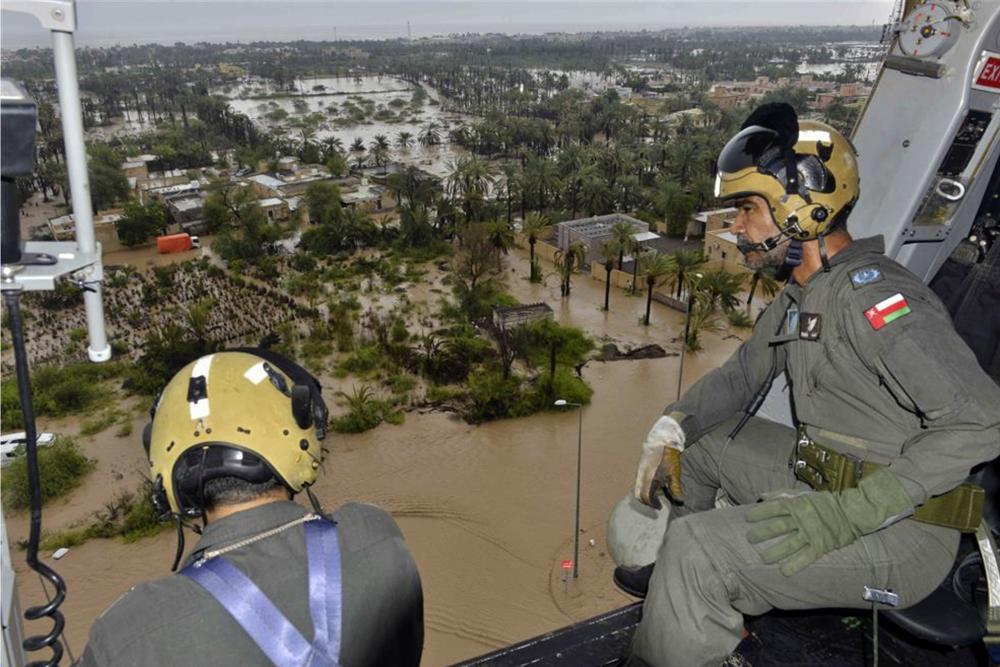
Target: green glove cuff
879	500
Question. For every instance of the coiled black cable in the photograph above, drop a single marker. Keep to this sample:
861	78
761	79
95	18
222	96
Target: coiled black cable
50	610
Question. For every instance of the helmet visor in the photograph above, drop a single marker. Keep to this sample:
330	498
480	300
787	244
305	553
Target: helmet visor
753	147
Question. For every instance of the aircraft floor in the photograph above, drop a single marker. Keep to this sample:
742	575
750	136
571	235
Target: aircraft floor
808	639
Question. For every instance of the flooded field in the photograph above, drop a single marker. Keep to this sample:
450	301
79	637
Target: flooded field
334	100
487	510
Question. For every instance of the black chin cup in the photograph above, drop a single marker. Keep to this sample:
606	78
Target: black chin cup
767	245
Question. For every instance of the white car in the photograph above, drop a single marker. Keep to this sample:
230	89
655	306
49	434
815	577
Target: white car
11	442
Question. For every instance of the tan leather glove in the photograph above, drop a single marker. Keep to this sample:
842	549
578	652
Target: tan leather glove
660	463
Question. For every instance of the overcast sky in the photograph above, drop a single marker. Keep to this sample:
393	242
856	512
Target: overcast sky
103	22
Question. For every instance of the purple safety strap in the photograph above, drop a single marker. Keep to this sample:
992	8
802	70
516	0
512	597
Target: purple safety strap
274	634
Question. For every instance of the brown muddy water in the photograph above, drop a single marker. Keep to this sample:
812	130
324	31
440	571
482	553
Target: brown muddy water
487	510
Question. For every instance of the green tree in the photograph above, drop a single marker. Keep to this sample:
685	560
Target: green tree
721	289
567	262
139	222
685	264
108	185
532	228
654	267
323	202
609	250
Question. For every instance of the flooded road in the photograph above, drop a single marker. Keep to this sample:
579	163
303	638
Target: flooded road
487	510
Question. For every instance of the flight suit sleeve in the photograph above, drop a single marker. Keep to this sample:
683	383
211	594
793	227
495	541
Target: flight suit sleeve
931	373
727	389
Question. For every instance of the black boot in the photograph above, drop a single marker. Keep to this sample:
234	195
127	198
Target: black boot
633	580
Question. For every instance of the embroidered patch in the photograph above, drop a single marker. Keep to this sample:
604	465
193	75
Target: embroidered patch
887	310
866	276
810	326
791	320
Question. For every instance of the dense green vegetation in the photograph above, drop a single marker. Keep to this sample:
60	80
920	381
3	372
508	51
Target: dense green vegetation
58	391
62	467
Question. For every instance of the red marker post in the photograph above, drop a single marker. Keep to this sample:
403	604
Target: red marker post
567	565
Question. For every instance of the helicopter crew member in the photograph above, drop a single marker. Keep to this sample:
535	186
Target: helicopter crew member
233	437
890	408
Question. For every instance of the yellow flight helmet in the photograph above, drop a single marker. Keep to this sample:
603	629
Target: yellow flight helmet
248	414
808	175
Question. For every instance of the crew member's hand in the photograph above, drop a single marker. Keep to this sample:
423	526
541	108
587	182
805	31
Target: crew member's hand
660	463
814	523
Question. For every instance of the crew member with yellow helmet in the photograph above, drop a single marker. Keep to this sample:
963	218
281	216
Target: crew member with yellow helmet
233	437
891	411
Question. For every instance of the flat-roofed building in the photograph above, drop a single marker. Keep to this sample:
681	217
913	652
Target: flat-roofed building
721	250
275	208
186	207
595	230
509	317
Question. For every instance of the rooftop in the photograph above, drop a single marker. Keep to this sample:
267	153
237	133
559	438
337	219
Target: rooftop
601	225
267	181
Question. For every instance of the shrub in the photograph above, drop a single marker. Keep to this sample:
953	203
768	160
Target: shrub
400	384
100	422
740	319
61	467
57	392
130	516
365	360
490	395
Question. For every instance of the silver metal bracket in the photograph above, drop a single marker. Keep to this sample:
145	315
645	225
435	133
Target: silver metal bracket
58	15
881	596
86	267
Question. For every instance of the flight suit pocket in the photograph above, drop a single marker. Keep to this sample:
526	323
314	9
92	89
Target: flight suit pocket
919	381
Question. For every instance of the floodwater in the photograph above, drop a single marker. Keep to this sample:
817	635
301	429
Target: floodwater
257	97
487	510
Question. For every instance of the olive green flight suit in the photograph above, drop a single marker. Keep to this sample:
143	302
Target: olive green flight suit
909	395
173	621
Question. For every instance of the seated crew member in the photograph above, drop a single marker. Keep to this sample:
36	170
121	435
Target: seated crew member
891	412
234	436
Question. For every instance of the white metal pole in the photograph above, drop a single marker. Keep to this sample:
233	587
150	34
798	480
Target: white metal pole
76	168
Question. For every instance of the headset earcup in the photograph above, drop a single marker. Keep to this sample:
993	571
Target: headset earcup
147	437
302	406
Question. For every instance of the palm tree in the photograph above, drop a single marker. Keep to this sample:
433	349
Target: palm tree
721	288
764	278
380	155
430	134
404	140
358	145
686	262
532	228
701	318
609	249
380	141
501	237
623	233
654	267
568	261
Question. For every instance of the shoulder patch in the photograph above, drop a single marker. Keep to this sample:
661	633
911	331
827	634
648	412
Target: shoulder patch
866	276
887	310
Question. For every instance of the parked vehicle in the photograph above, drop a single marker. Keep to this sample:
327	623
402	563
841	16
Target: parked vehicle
12	445
177	242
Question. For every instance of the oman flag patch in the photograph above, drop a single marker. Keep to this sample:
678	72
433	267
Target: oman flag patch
887	310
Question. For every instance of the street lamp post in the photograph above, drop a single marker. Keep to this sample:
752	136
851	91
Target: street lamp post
684	341
579	451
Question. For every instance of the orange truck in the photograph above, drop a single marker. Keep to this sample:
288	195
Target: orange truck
177	242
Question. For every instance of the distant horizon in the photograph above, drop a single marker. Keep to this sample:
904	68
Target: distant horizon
109	23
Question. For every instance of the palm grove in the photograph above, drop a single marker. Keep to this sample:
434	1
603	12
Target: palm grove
538	152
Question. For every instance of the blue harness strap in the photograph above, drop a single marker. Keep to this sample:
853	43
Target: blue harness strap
270	630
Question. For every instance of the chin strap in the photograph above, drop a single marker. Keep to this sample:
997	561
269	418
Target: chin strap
822	254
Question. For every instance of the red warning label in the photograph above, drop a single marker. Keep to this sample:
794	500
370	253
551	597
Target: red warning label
988	74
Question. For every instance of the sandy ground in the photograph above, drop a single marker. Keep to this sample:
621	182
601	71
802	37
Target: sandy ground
488	511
